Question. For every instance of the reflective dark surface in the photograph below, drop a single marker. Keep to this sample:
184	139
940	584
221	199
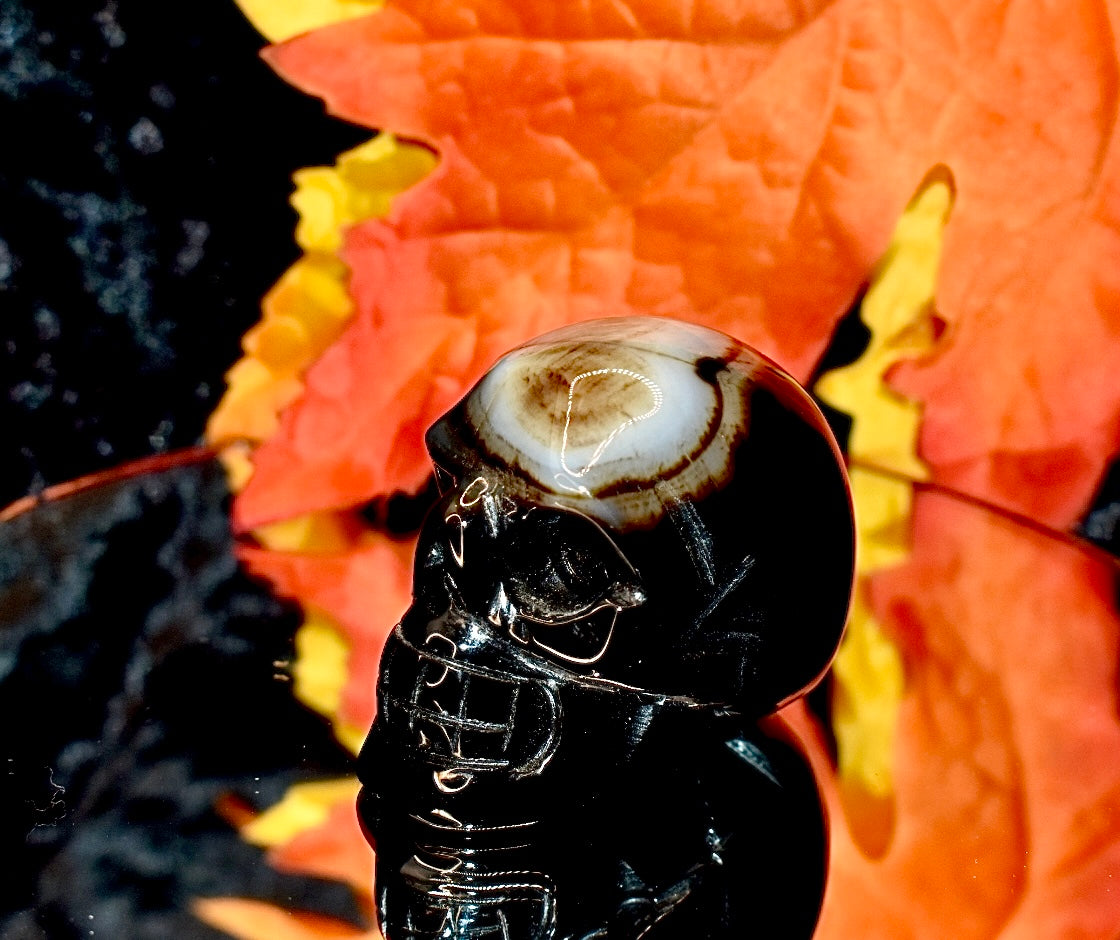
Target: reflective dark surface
643	546
704	833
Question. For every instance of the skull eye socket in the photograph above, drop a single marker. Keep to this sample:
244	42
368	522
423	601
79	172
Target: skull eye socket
568	573
560	567
567	581
582	640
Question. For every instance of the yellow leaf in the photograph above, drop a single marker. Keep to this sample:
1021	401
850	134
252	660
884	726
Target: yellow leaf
237	465
350	736
313	532
897	309
305	806
314	291
303	314
254	398
868	671
278	20
320	667
360	186
870	666
882	518
308	307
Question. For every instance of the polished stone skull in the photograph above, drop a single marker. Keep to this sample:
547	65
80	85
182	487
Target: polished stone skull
639	518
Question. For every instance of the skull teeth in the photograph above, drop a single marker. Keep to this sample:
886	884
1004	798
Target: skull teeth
472	719
463	716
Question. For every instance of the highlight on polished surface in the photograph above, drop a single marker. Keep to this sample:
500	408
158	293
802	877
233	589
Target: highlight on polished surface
609	595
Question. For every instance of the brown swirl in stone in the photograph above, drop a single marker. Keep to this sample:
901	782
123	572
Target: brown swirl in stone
572	388
613	418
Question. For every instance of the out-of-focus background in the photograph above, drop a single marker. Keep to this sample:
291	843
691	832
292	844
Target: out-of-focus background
144	683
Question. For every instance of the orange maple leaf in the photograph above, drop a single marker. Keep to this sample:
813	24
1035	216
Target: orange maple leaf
335	849
1008	765
742	164
738	163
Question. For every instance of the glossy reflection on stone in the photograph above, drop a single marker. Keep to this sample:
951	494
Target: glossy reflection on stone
594	414
708	833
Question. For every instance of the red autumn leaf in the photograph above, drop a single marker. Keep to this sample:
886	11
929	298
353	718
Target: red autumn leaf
364	590
738	163
1008	770
335	849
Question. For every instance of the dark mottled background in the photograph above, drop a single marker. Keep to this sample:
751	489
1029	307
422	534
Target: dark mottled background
144	170
143	183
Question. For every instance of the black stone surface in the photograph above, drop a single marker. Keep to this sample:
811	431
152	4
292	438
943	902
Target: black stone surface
143	212
142	676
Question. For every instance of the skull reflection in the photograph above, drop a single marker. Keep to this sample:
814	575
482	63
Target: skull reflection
644	527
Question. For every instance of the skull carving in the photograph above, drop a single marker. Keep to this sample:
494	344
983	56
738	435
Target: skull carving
639	518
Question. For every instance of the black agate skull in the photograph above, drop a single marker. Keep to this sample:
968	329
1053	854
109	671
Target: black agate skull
644	527
628	505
